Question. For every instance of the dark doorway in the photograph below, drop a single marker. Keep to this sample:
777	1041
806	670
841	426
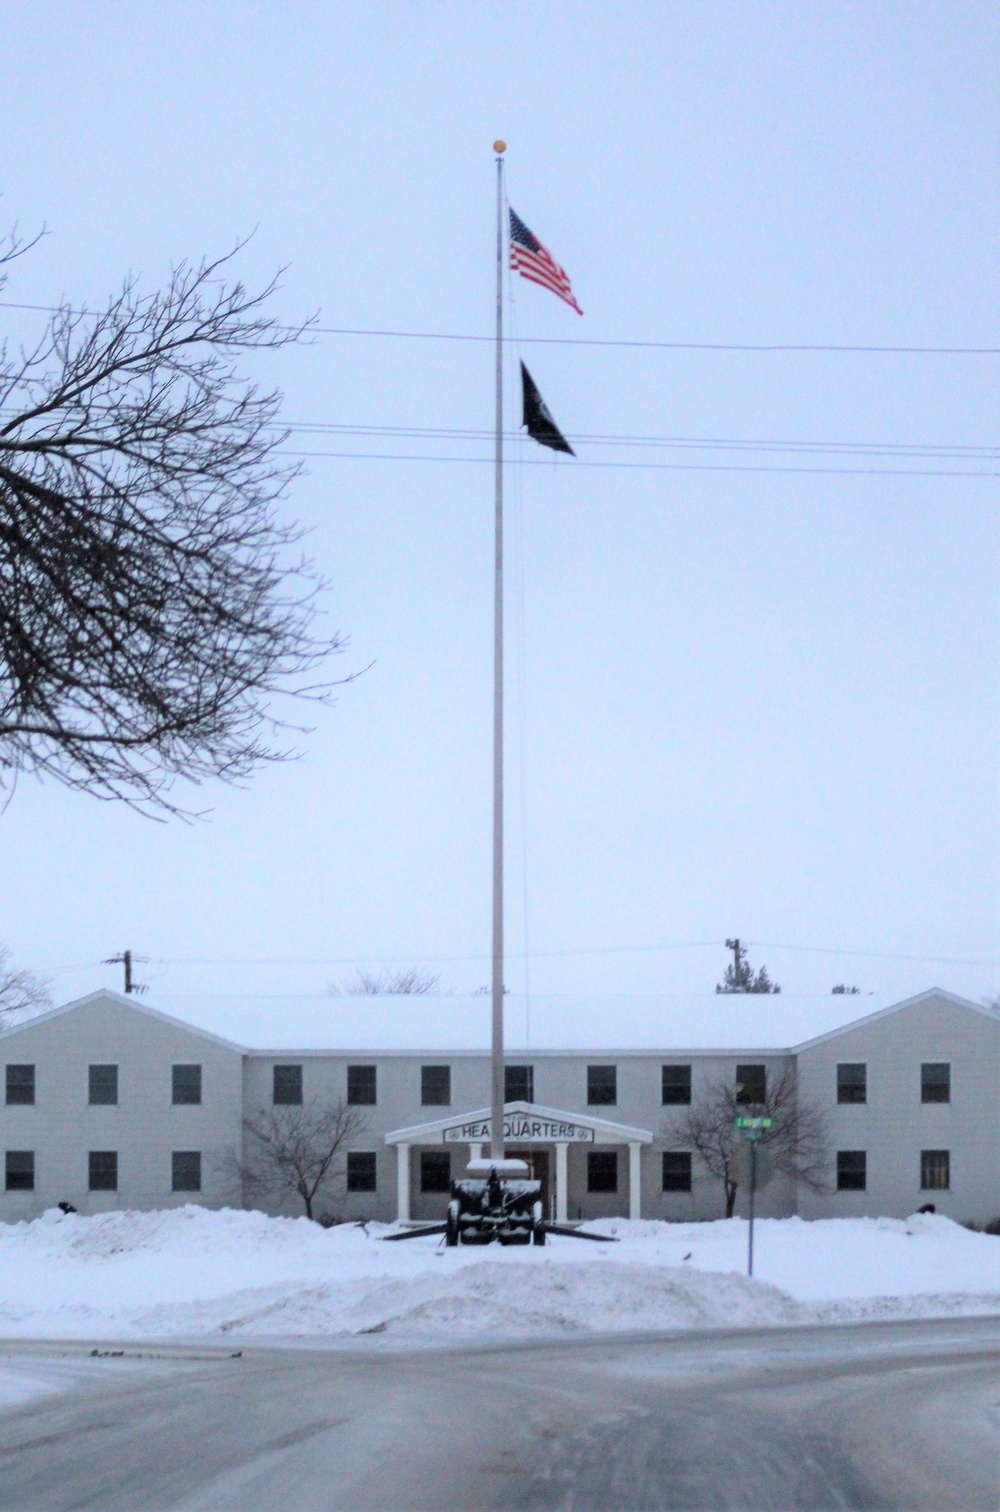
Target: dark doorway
538	1169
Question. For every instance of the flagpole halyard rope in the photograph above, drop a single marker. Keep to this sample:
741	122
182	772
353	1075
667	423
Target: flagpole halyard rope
520	572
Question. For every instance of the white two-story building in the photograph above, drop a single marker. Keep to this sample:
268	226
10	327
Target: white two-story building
111	1102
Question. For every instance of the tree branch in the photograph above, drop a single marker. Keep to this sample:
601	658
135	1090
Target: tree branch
150	610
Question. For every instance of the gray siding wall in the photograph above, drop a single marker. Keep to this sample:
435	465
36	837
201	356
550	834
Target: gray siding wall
707	1198
560	1082
893	1126
324	1078
62	1128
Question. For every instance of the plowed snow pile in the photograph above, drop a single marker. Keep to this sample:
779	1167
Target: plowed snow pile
189	1271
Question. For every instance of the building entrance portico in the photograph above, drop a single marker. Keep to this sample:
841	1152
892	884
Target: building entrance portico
536	1157
526	1126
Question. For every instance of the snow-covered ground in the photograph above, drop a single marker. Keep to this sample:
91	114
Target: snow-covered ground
191	1272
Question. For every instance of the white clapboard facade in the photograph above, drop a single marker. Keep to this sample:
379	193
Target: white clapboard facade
112	1102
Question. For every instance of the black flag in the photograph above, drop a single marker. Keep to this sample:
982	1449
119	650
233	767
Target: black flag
540	424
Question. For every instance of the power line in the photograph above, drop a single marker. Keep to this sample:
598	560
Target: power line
416	960
915	451
870	955
942	450
585	341
729	467
909	450
671	346
587	950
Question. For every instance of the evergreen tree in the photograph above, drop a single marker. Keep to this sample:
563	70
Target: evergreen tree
741	977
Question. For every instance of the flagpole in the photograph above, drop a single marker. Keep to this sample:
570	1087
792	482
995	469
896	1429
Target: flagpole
497	1092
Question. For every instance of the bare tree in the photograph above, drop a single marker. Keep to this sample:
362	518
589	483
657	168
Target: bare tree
151	604
740	976
386	983
797	1141
21	991
293	1149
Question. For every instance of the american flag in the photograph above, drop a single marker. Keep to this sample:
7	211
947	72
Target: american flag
529	258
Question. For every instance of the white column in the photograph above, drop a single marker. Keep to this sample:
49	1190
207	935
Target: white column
403	1182
562	1182
634	1181
475	1152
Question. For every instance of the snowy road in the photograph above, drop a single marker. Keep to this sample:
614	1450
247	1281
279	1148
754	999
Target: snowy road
875	1415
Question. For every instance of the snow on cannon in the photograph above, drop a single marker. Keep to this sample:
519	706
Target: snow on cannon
495	1200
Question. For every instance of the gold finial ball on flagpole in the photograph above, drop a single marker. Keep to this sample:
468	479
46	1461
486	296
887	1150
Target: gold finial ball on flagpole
499	146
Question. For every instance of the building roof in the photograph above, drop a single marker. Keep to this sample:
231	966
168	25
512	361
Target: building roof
458	1024
605	1024
899	1007
103	995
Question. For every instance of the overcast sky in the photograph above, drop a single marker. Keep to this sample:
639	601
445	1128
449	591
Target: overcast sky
755	702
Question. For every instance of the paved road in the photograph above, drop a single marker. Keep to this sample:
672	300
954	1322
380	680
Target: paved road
885	1415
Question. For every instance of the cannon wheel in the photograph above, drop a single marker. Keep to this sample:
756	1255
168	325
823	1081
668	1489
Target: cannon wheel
451	1225
537	1224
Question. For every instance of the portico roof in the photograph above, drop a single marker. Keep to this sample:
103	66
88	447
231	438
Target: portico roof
524	1123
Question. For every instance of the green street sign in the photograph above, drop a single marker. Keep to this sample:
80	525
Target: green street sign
755	1123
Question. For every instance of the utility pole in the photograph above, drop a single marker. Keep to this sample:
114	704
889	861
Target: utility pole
125	959
739	982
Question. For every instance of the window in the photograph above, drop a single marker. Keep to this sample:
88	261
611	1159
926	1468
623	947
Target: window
602	1170
435	1088
852	1082
435	1170
103	1170
935	1081
518	1083
935	1170
677	1170
676	1084
361	1089
186	1084
288	1086
186	1170
602	1089
20	1170
751	1085
852	1170
361	1171
103	1086
20	1084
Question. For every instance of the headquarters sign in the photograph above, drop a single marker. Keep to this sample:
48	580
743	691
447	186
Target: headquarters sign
520	1128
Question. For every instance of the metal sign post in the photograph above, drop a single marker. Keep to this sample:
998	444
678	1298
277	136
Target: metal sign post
752	1130
753	1191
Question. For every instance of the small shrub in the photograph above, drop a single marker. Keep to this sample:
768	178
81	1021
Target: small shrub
993	1227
